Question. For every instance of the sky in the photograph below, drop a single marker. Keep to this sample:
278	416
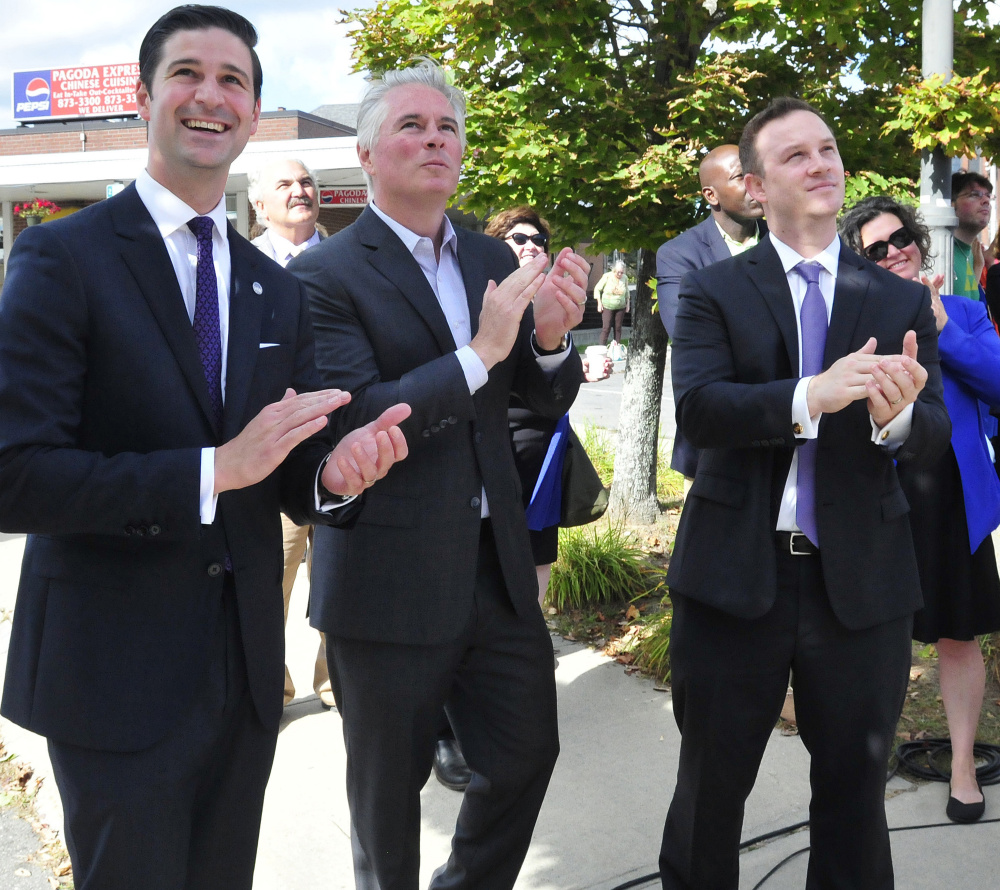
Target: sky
304	52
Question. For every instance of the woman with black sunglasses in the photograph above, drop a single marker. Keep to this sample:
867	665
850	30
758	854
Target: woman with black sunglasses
527	234
955	505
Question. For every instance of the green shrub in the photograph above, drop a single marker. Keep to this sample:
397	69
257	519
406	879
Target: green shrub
598	563
650	642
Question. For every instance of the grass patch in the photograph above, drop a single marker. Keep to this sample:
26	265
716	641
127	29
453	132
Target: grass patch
599	445
599	564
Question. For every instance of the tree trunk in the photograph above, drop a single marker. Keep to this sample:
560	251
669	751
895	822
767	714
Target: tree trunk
633	492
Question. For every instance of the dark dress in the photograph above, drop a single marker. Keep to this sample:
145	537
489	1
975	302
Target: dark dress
961	589
955	504
529	437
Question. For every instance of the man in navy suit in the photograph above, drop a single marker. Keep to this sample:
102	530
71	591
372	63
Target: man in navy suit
431	598
804	373
150	432
735	225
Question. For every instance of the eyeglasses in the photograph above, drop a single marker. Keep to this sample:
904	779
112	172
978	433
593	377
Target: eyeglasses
976	195
520	239
879	250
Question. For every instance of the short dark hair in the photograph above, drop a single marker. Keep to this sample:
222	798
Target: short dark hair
195	18
867	209
962	179
778	108
505	220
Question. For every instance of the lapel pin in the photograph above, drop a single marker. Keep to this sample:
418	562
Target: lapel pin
257	289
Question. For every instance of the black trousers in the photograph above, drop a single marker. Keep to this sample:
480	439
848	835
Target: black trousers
729	682
497	686
184	814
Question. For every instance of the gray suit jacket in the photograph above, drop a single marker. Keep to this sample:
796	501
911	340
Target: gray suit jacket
406	571
694	249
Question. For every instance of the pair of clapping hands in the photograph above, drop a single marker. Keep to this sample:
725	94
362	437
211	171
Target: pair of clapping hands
366	454
888	382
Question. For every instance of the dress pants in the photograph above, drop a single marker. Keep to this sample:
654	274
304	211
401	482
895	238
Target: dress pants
294	539
185	813
497	681
730	677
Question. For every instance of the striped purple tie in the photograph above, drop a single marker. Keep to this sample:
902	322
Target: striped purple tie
814	323
206	315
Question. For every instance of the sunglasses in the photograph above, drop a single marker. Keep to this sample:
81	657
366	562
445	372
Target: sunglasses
520	239
879	250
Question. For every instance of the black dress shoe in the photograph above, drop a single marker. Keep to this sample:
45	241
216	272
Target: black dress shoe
449	765
965	812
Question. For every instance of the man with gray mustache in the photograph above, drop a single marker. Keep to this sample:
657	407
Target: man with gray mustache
283	193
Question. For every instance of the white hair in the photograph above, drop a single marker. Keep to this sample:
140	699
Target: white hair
255	188
373	107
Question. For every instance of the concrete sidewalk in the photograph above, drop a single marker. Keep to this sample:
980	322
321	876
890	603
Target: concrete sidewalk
602	819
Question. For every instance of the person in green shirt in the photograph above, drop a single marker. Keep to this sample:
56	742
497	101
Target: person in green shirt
972	197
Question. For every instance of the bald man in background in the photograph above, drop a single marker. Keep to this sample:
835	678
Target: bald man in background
736	223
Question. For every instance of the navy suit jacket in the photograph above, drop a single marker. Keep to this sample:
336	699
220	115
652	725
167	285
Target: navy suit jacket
694	249
406	571
735	368
104	411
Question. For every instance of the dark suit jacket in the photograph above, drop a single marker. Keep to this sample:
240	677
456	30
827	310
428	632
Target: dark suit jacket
406	571
735	367
694	249
103	413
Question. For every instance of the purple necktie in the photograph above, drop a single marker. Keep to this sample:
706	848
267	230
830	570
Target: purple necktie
206	315
812	317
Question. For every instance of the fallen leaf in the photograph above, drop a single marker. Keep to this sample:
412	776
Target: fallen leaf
625	658
631	613
916	673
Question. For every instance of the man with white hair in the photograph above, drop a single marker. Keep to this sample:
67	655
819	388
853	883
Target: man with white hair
431	599
283	193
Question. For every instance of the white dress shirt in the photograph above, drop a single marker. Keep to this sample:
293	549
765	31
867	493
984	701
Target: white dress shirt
895	431
283	249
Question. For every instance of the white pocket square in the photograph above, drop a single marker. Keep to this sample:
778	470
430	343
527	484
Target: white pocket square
268	345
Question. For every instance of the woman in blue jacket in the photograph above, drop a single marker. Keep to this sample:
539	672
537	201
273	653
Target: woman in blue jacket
956	504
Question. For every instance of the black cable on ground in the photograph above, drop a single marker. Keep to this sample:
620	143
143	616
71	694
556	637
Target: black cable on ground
920	759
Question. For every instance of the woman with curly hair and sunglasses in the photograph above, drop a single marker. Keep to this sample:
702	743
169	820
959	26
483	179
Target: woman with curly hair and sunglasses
527	234
955	505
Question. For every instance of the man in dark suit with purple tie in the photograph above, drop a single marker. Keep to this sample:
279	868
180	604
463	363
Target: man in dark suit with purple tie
804	373
150	433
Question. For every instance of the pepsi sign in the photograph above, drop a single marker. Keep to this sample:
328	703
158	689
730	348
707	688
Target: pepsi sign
83	91
32	94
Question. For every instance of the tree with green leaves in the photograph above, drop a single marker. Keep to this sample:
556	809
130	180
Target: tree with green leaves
598	111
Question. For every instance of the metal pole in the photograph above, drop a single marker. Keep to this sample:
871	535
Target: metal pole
935	168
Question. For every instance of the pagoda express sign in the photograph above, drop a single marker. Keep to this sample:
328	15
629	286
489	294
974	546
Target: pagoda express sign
96	91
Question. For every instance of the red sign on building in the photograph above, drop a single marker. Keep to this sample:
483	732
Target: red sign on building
81	91
343	197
